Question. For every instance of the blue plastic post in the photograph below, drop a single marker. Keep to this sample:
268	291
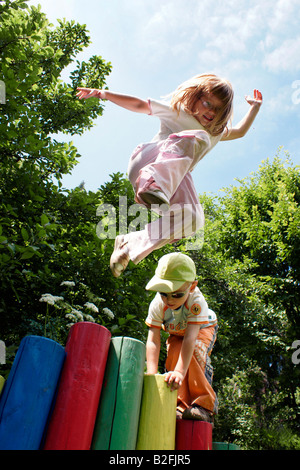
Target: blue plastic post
28	393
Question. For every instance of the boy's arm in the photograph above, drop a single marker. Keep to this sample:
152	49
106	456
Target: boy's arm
175	378
244	125
132	103
153	350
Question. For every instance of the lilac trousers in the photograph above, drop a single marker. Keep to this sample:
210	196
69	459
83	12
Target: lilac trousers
169	164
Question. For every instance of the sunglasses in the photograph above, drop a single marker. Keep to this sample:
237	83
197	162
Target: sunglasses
208	105
175	295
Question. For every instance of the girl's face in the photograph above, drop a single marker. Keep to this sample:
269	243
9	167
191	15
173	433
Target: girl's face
206	109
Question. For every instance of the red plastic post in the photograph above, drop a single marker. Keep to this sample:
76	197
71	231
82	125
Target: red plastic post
73	418
193	435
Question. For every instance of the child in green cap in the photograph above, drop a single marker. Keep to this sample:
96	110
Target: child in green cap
181	310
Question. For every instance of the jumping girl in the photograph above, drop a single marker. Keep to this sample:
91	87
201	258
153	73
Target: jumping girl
191	124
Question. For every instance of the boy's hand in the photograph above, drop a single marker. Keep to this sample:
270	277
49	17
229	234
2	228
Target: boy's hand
85	93
174	379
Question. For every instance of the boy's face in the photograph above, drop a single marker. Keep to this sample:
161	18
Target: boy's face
176	299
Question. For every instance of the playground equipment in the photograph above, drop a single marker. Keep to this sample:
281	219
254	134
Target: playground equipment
2	381
118	414
92	394
225	446
193	435
73	418
28	393
158	415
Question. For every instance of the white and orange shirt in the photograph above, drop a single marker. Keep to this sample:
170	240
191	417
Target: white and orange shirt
195	310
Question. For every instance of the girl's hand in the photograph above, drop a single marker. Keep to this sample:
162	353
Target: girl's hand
256	100
174	379
85	93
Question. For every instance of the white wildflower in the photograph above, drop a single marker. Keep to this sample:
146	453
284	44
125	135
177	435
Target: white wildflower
92	307
108	312
70	316
89	318
67	283
78	314
50	299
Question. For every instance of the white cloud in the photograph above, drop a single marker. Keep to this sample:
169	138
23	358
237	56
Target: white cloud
285	16
218	33
285	57
281	102
280	43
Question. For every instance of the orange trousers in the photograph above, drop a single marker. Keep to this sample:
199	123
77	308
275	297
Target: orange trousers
196	388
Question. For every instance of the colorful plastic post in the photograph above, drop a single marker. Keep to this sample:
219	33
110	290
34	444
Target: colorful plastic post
27	397
158	415
193	435
225	446
72	423
2	382
119	409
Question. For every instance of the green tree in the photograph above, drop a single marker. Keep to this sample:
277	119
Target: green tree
38	105
249	273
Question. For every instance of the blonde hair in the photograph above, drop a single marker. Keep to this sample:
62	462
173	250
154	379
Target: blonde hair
189	92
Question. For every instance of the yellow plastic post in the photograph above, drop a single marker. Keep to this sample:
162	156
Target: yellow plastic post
157	425
2	381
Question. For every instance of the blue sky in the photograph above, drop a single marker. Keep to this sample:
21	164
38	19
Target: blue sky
154	45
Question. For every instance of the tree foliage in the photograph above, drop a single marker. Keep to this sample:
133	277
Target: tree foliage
249	273
34	242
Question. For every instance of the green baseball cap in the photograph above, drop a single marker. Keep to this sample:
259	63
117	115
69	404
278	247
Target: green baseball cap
173	270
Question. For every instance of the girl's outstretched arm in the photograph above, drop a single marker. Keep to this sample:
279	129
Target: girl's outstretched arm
244	125
132	103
